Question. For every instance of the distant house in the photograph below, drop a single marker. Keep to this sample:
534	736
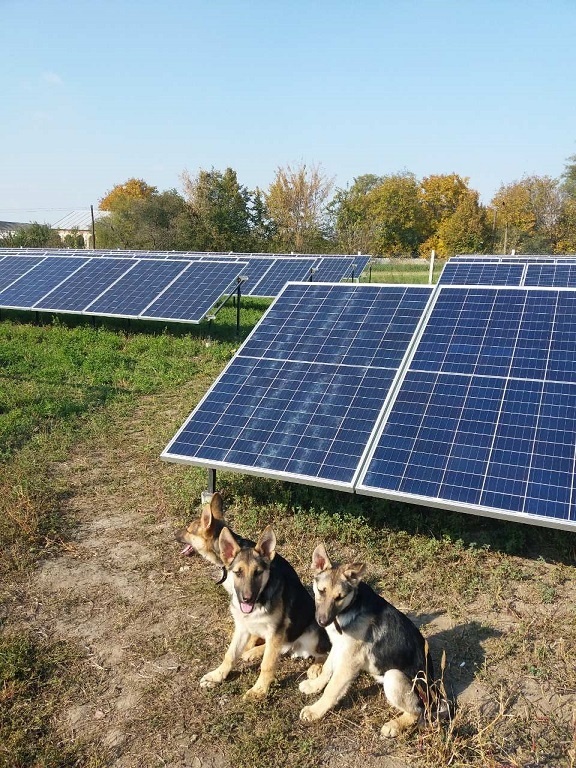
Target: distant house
8	228
78	223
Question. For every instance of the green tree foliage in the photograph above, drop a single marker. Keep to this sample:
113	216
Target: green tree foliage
399	220
124	194
353	229
220	211
297	205
34	235
158	222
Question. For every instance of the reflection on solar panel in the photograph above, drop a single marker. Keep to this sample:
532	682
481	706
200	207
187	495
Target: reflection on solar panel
485	418
28	289
189	297
302	396
334	268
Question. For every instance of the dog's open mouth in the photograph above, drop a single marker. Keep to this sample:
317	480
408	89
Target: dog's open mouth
188	550
246	607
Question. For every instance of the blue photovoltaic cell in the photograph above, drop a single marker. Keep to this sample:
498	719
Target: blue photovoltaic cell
133	292
302	396
458	272
255	270
557	275
36	283
485	417
195	291
13	267
82	287
333	268
282	272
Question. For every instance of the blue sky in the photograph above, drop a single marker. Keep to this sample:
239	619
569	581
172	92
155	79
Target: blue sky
92	94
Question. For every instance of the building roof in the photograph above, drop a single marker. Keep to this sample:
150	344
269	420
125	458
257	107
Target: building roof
11	226
79	219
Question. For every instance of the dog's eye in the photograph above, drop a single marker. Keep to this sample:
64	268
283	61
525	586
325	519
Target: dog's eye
339	598
237	572
258	572
321	591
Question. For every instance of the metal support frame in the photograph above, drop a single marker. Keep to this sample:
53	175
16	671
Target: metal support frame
211	480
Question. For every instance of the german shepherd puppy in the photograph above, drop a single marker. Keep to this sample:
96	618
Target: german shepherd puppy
267	600
367	634
202	536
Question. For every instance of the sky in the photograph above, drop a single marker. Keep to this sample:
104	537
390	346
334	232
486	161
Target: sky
95	93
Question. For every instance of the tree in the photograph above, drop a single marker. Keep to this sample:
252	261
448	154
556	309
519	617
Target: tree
159	222
441	195
353	229
220	211
296	202
569	176
124	194
466	230
34	235
399	219
527	215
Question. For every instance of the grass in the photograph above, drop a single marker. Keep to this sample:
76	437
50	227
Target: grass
73	388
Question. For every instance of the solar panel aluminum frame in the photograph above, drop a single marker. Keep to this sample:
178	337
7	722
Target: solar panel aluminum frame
212	464
439	502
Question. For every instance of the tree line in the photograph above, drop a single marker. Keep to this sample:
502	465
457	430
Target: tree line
302	212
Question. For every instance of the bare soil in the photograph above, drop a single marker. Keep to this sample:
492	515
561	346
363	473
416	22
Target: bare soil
150	623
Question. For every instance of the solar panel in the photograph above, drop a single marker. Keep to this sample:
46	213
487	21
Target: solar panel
189	297
38	281
463	272
333	268
281	272
84	285
557	275
136	289
484	419
303	394
13	268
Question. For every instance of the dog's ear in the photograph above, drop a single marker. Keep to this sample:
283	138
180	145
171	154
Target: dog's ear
217	506
206	518
353	572
266	545
228	546
320	560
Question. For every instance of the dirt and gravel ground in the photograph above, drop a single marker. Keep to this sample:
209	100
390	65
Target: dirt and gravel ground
150	623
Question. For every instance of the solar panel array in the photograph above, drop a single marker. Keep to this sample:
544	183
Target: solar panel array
265	274
175	290
516	270
456	397
303	394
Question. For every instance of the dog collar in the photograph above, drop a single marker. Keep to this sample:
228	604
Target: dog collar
222	578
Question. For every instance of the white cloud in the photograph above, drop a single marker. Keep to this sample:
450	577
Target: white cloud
51	78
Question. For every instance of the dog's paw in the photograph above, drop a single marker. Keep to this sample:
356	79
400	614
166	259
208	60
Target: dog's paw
309	714
256	692
309	686
314	671
211	679
390	730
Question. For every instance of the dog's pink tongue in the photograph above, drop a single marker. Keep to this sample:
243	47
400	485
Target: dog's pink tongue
246	607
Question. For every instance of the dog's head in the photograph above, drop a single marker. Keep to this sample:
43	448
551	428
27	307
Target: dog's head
250	566
201	535
335	586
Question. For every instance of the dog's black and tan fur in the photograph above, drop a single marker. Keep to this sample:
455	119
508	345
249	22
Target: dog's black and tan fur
268	600
367	634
